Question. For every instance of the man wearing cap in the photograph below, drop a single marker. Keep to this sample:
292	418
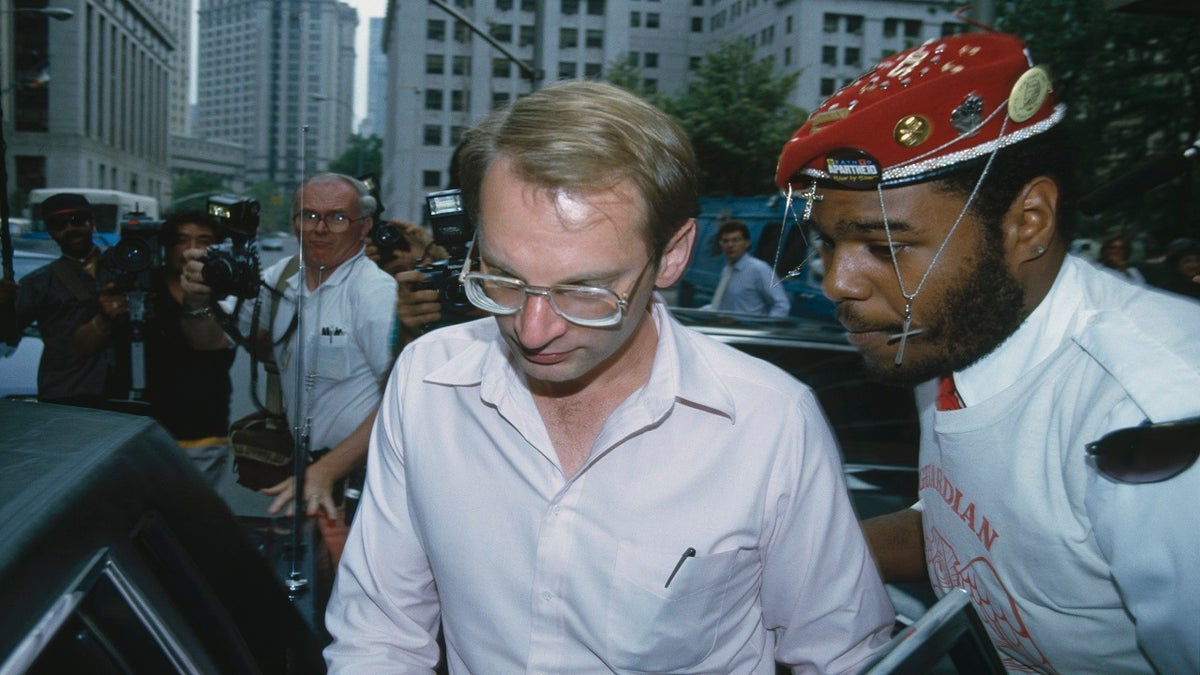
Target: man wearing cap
940	186
75	318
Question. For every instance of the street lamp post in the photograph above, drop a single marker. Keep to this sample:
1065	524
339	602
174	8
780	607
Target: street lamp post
6	253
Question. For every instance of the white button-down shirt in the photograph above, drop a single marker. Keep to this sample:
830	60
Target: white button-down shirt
709	530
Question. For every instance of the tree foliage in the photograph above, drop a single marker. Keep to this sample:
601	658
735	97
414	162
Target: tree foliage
275	209
737	114
1132	86
363	156
190	190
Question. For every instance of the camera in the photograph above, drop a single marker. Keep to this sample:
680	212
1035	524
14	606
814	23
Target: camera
453	231
128	264
233	268
388	239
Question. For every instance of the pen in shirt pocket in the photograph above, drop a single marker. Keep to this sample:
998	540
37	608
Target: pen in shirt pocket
689	553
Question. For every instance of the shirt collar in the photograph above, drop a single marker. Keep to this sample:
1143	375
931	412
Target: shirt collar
1038	336
680	370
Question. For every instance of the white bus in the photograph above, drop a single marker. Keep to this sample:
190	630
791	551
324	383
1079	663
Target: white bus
109	208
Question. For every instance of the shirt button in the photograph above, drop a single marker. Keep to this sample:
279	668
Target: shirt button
557	509
547	596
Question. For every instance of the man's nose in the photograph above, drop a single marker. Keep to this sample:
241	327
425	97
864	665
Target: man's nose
844	279
537	322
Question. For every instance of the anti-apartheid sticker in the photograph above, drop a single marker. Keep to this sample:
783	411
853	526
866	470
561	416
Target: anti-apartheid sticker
852	168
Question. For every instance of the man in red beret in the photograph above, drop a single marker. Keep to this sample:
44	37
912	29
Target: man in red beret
940	186
74	317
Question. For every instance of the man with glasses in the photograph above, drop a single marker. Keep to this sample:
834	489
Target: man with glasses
75	317
579	483
344	351
941	186
748	285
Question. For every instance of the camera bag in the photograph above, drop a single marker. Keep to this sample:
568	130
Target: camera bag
262	441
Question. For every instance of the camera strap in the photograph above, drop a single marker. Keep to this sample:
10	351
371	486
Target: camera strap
274	392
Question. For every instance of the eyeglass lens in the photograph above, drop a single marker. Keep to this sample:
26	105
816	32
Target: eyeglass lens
588	304
1149	453
336	221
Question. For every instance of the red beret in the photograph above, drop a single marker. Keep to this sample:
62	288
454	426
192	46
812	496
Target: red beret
922	111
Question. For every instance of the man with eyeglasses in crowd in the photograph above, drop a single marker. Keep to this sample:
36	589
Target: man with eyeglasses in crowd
747	285
74	315
941	186
579	483
348	313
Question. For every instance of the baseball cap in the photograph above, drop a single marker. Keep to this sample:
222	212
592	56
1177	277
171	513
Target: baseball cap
922	112
63	203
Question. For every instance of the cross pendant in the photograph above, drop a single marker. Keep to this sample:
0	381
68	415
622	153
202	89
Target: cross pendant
905	332
810	196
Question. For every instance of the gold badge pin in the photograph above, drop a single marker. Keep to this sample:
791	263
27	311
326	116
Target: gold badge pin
1028	94
912	130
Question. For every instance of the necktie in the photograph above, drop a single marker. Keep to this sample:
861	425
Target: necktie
719	294
948	395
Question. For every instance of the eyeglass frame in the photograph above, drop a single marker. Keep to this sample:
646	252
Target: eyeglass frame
547	292
71	219
325	219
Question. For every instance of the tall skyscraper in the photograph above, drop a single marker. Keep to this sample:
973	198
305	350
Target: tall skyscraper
277	77
376	82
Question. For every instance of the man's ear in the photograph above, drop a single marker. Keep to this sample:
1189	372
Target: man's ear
677	254
1031	227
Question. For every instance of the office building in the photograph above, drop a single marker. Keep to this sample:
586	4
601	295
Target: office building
442	77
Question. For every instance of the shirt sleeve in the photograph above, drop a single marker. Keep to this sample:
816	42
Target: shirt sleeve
383	612
821	593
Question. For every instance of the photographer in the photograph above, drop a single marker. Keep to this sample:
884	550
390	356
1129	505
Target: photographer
188	389
344	351
75	316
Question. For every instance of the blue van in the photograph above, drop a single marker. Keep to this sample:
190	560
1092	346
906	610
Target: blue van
763	216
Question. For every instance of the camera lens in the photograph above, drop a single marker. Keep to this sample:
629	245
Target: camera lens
132	255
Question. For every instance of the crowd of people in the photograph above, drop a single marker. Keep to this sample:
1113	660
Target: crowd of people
572	481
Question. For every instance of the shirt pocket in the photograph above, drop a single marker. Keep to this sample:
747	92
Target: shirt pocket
331	356
653	627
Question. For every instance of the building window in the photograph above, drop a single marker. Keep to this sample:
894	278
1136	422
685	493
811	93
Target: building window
854	24
459	100
697	24
651	60
829	55
787	25
528	5
829	23
462	33
435	64
431	179
567	70
593	70
503	32
433	99
912	28
653	19
949	29
504	5
650	85
568	38
461	65
632	59
570	7
594	38
787	56
890	27
526	37
433	134
456	134
694	63
828	85
500	99
595	7
501	68
435	29
852	56
635	19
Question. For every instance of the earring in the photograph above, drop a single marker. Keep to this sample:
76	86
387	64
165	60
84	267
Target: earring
1040	250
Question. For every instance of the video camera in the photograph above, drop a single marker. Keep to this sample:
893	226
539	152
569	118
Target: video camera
128	265
453	231
233	268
